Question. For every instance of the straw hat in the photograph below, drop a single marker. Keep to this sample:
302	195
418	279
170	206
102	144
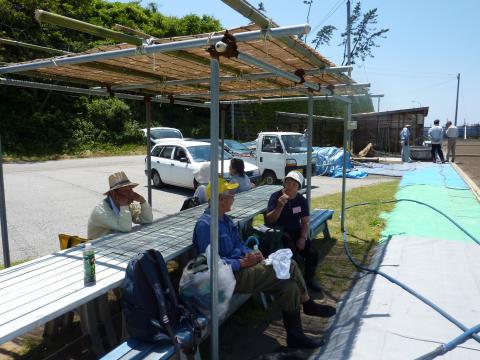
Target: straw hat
119	180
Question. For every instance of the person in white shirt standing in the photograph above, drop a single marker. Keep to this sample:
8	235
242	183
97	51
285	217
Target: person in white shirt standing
452	135
404	140
436	135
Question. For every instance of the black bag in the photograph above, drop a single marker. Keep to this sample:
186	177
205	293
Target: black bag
151	306
190	202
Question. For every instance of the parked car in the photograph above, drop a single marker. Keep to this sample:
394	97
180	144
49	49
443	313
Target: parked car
175	161
234	147
159	134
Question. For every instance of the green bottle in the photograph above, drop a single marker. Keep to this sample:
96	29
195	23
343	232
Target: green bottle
89	278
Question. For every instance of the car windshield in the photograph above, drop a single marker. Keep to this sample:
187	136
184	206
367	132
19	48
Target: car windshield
236	146
295	143
165	133
201	153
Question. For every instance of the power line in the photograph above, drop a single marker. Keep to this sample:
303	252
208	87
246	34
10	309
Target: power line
332	11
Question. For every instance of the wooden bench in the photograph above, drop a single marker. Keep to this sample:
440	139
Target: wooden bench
318	222
136	349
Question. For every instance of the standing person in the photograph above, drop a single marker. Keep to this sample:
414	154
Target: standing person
436	135
237	170
118	210
404	140
452	135
253	275
288	209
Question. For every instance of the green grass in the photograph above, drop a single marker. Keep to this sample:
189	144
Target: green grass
96	150
363	224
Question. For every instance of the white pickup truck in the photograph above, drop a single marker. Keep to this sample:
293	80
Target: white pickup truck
278	153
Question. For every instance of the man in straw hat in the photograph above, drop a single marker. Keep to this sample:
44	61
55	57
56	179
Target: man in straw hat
405	140
117	211
253	275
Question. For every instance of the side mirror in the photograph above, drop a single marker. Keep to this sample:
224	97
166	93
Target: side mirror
184	159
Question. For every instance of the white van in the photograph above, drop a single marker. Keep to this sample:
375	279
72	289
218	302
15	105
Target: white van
280	152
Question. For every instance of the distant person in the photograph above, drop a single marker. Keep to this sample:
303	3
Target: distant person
404	140
452	135
202	176
119	209
288	209
253	275
436	135
237	171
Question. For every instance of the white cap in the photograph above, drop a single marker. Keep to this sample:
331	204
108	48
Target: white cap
88	246
295	175
202	175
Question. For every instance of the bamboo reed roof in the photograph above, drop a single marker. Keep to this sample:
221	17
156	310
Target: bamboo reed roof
153	71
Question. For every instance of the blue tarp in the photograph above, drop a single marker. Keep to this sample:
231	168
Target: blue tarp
330	163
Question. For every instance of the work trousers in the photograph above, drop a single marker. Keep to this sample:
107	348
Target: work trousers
452	143
437	149
308	255
405	151
261	277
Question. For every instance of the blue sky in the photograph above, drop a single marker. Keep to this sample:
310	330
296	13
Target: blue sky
429	42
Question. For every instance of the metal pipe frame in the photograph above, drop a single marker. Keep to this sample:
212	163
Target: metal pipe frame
287	75
214	128
157	48
92	92
256	76
309	151
3	215
343	98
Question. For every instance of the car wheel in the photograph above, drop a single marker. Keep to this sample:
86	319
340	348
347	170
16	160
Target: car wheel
157	180
269	177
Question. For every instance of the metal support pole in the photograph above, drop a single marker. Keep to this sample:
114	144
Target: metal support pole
309	151
222	147
3	214
456	105
214	110
349	30
348	118
378	104
148	114
232	119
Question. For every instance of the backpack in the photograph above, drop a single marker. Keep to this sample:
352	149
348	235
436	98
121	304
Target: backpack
152	309
190	202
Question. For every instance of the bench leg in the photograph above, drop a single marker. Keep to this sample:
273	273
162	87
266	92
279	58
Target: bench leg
326	232
89	324
106	319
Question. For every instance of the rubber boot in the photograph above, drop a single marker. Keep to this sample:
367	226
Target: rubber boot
312	308
295	336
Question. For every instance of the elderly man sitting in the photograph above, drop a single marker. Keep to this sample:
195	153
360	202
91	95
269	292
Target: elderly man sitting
251	273
118	210
288	209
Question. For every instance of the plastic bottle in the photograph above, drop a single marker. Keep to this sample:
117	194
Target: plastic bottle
255	248
89	277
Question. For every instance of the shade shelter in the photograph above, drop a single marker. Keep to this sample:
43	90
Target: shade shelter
245	64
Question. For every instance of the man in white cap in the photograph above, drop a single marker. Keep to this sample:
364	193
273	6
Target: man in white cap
288	209
118	210
253	275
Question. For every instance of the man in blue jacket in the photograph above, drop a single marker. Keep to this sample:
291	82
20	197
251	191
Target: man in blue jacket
404	140
251	273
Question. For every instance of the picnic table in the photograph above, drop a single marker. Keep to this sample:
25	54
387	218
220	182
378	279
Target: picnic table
35	292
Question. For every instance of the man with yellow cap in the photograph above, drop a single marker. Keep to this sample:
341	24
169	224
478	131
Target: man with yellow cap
118	210
253	275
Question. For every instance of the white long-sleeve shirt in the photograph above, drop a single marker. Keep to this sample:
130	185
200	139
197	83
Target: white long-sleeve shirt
436	134
103	219
452	132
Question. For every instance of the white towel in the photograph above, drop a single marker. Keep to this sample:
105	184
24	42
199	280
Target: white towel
280	260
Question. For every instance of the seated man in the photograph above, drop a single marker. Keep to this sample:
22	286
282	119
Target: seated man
289	209
117	211
252	275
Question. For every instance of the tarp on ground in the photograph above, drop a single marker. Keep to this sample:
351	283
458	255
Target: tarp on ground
330	163
399	169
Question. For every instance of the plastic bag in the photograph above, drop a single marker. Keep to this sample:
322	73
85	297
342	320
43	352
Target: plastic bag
195	284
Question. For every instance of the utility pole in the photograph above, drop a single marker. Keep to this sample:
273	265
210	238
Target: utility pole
456	106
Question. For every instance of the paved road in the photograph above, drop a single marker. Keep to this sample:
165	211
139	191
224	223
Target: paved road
44	199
